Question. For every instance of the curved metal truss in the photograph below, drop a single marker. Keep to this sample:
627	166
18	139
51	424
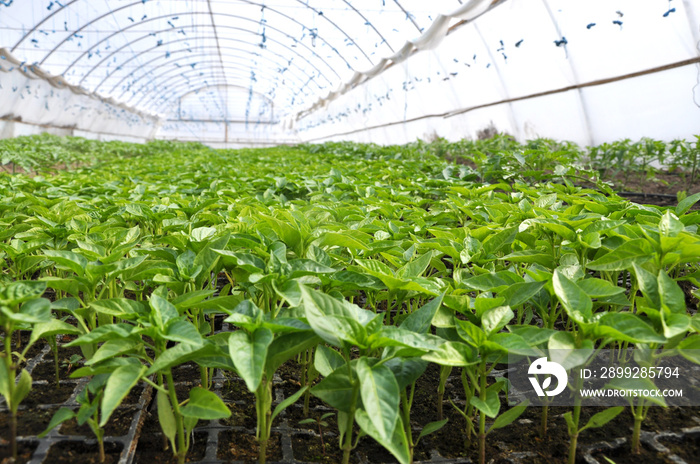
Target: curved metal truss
289	51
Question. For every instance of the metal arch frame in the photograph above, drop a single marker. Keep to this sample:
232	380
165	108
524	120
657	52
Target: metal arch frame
408	15
36	26
201	55
371	24
215	82
320	13
63	7
165	101
306	59
188	83
262	95
150	97
171	71
196	13
209	86
203	47
143	89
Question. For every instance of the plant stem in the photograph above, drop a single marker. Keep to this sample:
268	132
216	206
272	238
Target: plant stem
638	413
347	446
543	423
482	416
444	374
11	390
181	451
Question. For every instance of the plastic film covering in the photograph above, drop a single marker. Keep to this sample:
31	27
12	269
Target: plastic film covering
588	71
215	63
260	72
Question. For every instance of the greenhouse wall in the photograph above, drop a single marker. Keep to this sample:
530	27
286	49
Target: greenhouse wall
590	72
32	102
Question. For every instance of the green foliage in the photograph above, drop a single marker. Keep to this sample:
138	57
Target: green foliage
364	262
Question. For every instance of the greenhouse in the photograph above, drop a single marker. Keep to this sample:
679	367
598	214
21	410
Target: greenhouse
350	231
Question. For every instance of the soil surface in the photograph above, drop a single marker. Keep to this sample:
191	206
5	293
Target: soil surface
77	452
24	452
150	449
243	447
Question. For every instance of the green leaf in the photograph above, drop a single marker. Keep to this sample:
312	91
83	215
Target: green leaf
397	444
520	292
332	239
119	384
249	353
52	328
163	310
35	311
577	304
635	251
286	403
380	394
205	405
669	225
452	354
627	327
497	241
602	418
183	332
509	416
112	348
687	203
17	292
327	360
335	390
118	307
495	319
59	417
166	417
68	260
21	390
570	425
599	288
416	267
637	385
491	404
286	346
431	427
670	294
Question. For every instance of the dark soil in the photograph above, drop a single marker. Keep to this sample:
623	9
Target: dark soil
687	447
49	393
235	446
25	450
117	426
150	449
235	389
29	422
295	413
242	415
24	339
46	370
623	455
308	448
77	452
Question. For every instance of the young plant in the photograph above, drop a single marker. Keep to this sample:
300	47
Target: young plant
262	346
321	424
356	382
20	308
90	400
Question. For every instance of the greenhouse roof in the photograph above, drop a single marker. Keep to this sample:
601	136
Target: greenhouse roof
269	57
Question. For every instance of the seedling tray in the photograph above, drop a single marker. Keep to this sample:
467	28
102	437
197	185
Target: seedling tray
120	449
